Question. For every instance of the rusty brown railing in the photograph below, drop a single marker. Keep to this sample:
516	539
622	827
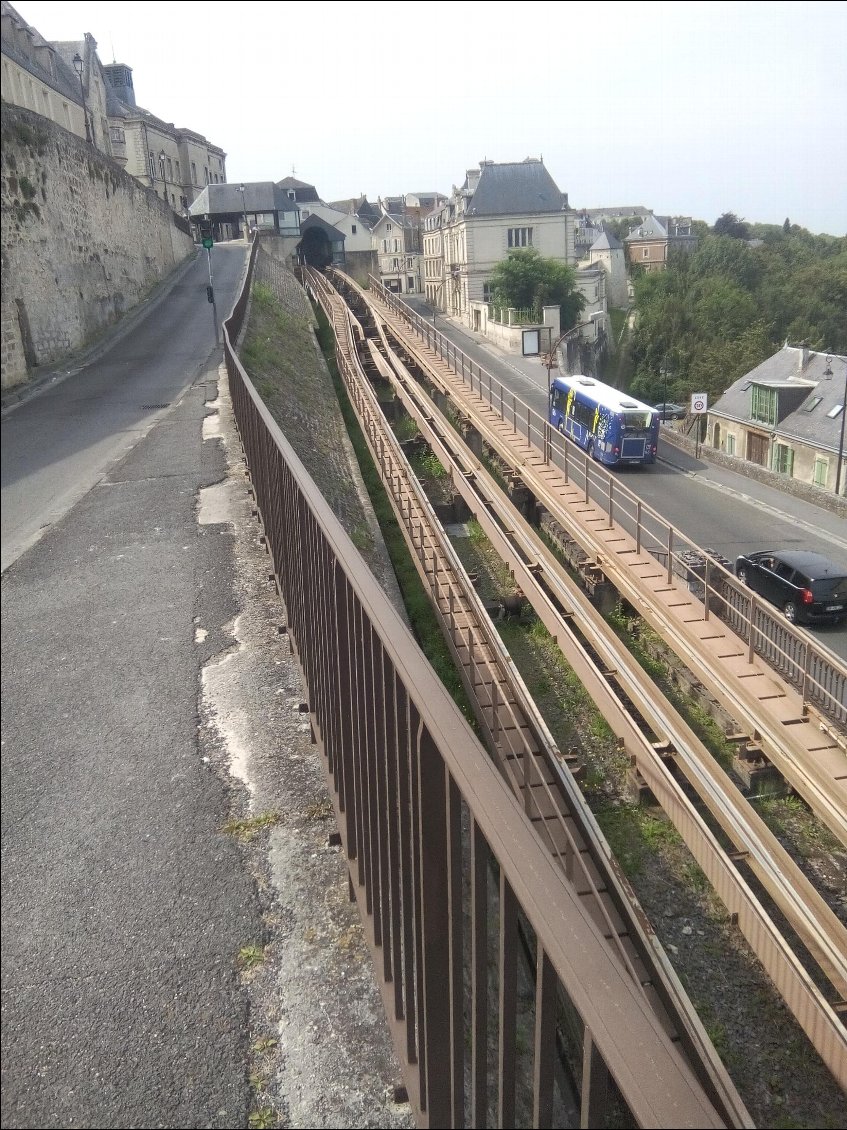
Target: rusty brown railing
462	905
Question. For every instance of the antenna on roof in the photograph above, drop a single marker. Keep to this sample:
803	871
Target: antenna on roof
112	42
293	171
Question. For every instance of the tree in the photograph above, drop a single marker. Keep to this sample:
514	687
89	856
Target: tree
527	281
786	227
730	224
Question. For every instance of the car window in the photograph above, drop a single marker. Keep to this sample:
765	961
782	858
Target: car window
785	572
830	587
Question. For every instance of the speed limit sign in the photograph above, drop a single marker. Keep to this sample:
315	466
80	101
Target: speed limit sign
699	402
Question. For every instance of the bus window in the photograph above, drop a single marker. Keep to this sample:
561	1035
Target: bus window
636	421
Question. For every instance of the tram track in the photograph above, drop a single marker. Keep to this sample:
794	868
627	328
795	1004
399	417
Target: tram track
611	681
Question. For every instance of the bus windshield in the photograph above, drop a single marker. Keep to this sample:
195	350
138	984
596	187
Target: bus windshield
635	421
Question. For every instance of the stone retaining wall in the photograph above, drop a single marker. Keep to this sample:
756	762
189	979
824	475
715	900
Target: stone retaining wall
82	243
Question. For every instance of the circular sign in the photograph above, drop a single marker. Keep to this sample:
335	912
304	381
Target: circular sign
698	404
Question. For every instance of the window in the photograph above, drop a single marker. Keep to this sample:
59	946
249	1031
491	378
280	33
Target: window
193	173
353	226
410	263
117	134
813	403
821	471
170	169
410	284
388	227
487	292
763	404
306	213
645	252
783	459
730	444
177	170
520	237
152	167
835	412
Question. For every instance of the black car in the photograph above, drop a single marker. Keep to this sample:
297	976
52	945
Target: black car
670	411
808	587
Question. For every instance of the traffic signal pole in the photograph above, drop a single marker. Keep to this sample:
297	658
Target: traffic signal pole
210	294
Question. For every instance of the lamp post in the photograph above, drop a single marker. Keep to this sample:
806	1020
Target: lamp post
664	371
78	67
550	360
244	210
162	171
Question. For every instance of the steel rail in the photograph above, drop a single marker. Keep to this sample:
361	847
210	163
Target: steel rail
819	674
656	977
809	915
793	744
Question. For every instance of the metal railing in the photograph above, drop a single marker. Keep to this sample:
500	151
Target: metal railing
809	666
452	884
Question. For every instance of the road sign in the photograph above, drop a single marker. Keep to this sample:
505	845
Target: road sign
699	403
208	242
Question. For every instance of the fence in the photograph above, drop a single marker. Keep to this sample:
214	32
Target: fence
506	1004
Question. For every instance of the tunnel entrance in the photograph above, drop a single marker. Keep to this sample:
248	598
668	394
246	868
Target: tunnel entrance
315	249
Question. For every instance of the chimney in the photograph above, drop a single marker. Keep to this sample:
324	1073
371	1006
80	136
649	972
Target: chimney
804	355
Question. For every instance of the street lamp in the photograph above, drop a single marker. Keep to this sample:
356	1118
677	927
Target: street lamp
665	370
162	170
244	210
78	66
550	360
828	375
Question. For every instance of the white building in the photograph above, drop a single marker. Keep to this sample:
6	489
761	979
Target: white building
500	207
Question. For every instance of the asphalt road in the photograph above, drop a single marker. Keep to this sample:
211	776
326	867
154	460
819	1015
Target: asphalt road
124	907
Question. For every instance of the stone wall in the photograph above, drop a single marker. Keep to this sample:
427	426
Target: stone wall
82	243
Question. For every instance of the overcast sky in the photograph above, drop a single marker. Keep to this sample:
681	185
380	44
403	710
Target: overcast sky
691	109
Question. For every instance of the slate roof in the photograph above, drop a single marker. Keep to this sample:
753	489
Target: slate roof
315	221
606	241
65	80
801	419
225	199
649	228
520	187
303	193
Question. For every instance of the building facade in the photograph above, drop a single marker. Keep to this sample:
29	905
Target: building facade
651	242
787	415
176	163
499	208
60	81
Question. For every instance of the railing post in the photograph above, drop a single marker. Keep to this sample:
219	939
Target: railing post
670	554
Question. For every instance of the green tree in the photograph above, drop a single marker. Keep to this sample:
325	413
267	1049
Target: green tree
730	224
527	281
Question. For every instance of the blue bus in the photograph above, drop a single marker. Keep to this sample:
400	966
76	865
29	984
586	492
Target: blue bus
605	422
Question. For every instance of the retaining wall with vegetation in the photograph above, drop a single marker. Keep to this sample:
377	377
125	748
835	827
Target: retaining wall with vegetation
82	242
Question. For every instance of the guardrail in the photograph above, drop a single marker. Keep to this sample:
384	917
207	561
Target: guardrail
810	667
448	873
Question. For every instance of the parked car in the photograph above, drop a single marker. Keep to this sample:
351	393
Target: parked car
807	586
671	411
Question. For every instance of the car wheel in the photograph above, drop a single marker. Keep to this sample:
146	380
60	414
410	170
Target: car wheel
790	610
742	575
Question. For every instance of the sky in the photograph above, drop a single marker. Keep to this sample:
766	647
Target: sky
691	109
